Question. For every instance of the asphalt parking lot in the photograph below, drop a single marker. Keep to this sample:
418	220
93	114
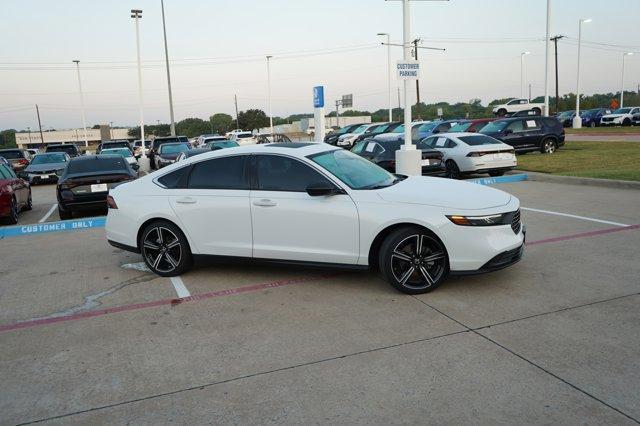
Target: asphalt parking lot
87	336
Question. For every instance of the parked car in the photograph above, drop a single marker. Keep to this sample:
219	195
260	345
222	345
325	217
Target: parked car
32	151
620	117
313	203
636	119
244	138
332	138
219	144
156	144
137	148
190	153
592	117
125	153
470	126
86	182
68	148
378	130
516	105
566	118
472	153
168	153
526	134
382	152
15	195
311	131
398	132
17	157
47	167
525	113
115	144
433	128
203	139
347	140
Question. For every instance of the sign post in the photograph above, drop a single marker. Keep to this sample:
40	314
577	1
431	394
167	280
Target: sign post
318	113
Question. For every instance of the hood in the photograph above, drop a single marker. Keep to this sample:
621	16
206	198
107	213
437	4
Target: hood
442	192
45	167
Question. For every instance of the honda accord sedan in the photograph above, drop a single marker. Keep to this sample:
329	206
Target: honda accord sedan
313	203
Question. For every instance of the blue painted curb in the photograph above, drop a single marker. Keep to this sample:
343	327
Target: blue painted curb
49	227
500	179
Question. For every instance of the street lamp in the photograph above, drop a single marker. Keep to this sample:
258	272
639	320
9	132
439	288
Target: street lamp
388	73
269	92
622	80
577	121
546	60
522	55
84	121
136	14
166	57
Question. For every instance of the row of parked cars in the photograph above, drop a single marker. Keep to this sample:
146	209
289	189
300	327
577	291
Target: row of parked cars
455	147
628	116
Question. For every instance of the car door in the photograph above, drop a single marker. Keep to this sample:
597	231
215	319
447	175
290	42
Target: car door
514	134
18	186
290	224
213	206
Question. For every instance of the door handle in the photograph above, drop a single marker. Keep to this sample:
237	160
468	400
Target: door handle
186	200
265	203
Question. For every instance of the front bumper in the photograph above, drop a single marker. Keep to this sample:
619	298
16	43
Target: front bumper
500	261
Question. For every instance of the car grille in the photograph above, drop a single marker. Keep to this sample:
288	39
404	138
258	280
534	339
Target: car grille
607	119
515	222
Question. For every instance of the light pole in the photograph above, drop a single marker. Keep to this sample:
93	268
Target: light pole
388	73
624	55
136	14
166	57
577	121
111	130
269	92
546	60
29	130
84	121
522	55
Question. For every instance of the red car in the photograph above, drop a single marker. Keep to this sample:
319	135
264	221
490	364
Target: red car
15	195
472	125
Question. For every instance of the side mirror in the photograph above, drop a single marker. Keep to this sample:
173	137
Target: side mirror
320	189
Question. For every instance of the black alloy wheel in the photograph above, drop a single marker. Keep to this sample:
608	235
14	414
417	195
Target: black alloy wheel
452	171
165	249
548	146
413	260
13	213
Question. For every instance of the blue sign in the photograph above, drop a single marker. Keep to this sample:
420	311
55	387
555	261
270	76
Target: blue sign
48	227
318	97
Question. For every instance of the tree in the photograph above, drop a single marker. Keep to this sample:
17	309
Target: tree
155	130
252	119
221	123
192	127
8	138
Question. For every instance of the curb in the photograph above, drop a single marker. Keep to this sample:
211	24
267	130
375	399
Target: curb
574	180
509	178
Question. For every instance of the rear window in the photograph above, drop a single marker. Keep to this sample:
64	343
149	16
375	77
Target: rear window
478	140
69	149
12	155
460	127
158	142
97	164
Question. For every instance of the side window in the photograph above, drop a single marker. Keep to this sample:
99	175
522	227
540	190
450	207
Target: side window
357	149
276	173
441	143
515	126
442	128
523	101
427	143
8	171
451	144
219	173
4	173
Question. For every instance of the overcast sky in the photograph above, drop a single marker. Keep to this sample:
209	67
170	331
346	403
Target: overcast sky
217	49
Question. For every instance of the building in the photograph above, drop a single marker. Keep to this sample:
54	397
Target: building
76	136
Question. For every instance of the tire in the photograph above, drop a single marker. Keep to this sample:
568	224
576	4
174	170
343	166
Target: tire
592	124
548	146
501	112
452	171
29	205
536	111
408	270
65	214
165	249
494	173
626	122
12	219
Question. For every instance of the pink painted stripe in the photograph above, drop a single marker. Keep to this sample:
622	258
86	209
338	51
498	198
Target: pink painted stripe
145	305
583	235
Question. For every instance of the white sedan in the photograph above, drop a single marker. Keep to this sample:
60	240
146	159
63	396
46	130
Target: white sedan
314	203
472	153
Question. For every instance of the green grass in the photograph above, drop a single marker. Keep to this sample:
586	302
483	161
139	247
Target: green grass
602	129
604	160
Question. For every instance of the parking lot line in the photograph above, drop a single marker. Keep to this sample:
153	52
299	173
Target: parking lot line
591	219
583	235
51	210
180	288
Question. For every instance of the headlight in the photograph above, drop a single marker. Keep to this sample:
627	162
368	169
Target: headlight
489	220
59	172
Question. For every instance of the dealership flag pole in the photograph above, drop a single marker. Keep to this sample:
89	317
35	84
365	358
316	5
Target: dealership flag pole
166	58
577	121
84	121
137	14
546	60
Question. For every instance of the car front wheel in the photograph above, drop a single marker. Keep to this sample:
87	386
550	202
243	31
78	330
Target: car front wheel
548	146
165	249
452	171
413	260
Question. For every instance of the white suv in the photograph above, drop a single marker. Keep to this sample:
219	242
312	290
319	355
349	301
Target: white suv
516	105
621	116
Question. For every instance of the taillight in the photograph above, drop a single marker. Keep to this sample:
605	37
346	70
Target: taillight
476	154
111	203
23	161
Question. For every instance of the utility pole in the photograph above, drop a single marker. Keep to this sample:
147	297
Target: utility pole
84	120
555	43
337	113
136	14
166	57
269	94
40	125
235	99
529	92
546	60
415	56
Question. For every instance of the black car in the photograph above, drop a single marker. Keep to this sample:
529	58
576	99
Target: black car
68	148
114	144
168	153
383	153
86	181
332	138
195	151
526	134
155	145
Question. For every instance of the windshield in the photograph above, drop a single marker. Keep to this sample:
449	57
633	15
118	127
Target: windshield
566	114
173	148
622	111
589	112
460	127
344	130
428	127
380	129
120	151
353	170
11	155
494	127
69	149
49	158
223	144
360	129
476	140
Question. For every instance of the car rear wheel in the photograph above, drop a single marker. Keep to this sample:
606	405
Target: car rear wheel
502	112
12	219
536	111
592	124
548	146
165	249
29	205
626	122
452	171
413	260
